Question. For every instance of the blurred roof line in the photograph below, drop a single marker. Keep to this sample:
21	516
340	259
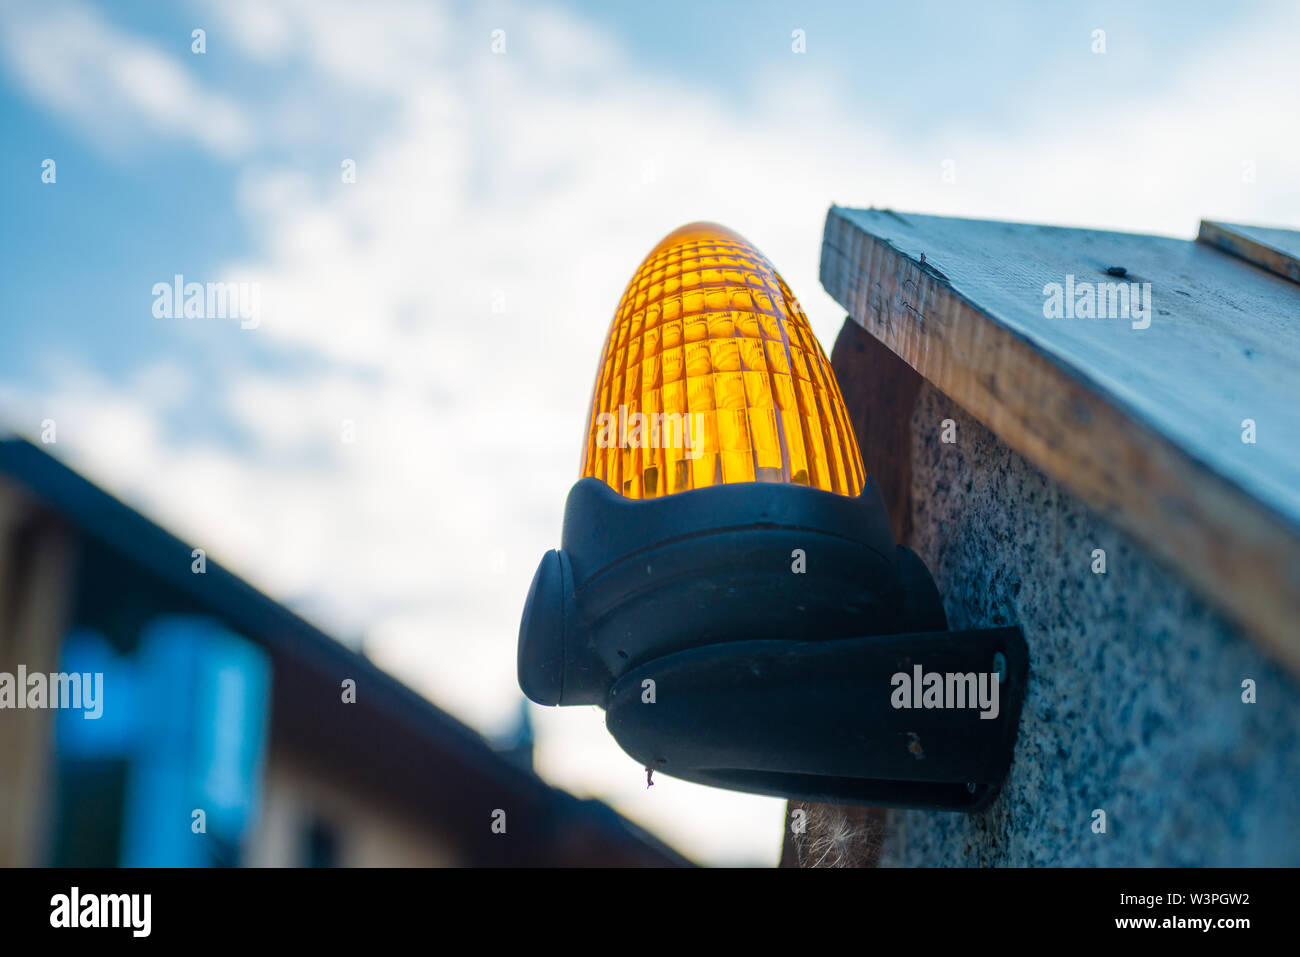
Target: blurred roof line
392	737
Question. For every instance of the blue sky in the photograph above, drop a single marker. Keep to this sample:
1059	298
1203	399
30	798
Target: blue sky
451	302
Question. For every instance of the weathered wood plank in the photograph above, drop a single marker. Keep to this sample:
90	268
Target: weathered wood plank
1145	424
1277	250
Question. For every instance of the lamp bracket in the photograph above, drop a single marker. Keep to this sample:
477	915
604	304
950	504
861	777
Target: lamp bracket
923	720
770	620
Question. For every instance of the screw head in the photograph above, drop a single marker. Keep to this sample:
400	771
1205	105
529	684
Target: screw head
1000	666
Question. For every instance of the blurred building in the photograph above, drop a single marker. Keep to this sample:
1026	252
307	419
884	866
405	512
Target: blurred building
157	710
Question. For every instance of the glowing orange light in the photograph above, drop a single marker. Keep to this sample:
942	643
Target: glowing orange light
711	375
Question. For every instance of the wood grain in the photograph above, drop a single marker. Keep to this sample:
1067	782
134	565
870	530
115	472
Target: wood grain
1277	250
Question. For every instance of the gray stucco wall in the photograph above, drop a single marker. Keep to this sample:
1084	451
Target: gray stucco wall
1135	702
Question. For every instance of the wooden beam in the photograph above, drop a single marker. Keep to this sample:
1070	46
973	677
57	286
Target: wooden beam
1277	250
1143	424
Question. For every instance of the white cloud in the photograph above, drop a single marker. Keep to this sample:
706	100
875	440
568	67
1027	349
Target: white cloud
107	81
371	47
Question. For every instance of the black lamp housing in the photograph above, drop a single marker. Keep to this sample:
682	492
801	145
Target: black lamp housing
747	636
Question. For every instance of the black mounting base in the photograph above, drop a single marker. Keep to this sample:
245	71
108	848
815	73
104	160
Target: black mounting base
853	720
769	622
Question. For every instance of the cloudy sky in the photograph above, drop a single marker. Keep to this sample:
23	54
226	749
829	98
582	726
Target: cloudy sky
450	304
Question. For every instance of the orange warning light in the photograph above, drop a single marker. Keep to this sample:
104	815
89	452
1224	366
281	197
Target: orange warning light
711	375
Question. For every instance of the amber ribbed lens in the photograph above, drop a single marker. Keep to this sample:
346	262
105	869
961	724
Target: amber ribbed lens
711	375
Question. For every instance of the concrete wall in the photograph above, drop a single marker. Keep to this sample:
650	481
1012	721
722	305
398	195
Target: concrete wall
1135	696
